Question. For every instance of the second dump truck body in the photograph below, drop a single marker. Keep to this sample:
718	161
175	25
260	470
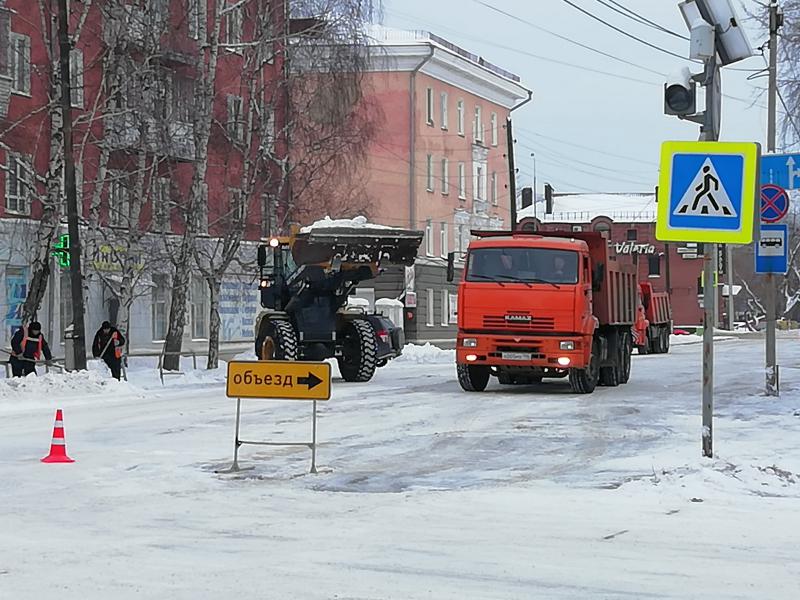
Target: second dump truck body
544	305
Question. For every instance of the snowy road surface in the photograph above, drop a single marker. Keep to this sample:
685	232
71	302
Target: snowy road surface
424	491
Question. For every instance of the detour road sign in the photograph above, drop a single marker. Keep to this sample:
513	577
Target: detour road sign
291	380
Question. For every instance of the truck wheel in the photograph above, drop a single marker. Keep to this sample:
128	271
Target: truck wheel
610	376
359	352
276	341
627	349
473	378
666	339
583	381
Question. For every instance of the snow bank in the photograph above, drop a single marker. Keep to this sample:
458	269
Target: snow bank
359	222
53	388
427	354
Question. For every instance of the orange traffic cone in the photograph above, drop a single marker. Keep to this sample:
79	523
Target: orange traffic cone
58	448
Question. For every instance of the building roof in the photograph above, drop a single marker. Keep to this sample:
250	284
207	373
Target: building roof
584	208
408	50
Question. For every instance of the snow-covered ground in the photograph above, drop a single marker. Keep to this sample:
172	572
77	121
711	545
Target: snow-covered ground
423	491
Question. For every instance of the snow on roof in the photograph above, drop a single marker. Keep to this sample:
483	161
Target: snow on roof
584	208
355	223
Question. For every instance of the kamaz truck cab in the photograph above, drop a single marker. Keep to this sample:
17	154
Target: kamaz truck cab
544	305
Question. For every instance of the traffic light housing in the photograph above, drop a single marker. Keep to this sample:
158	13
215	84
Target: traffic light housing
680	94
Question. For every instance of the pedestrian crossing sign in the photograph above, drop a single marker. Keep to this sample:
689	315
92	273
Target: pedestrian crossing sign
707	192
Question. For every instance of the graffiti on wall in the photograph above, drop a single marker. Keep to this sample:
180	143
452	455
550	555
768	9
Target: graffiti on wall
238	305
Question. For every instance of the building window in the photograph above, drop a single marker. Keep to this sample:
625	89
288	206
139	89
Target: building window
603	229
430	316
445	176
429	237
461	241
443	109
577	228
654	265
453	300
445	308
460	116
233	29
462	181
118	199
444	240
162	204
201	211
199	301
477	126
429	173
197	18
494	129
494	188
235	118
19	178
429	106
19	60
631	235
76	78
480	180
159	301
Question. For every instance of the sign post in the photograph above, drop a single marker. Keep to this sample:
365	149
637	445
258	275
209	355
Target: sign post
275	379
707	193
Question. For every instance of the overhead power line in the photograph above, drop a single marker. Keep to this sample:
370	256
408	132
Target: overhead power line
627	12
622	31
565	38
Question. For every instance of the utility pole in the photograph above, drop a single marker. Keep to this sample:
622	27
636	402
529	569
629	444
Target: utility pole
76	275
729	277
709	133
533	156
512	175
775	22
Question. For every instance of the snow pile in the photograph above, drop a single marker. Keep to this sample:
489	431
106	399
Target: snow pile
427	354
51	388
359	222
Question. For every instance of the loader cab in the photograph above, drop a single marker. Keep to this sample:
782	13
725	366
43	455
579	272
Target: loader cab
275	264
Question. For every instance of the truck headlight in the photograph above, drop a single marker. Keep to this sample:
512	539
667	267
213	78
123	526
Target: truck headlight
567	345
469	343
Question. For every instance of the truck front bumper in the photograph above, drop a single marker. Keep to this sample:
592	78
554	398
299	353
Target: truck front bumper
553	351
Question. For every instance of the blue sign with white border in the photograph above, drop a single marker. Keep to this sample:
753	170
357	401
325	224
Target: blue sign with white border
782	170
772	249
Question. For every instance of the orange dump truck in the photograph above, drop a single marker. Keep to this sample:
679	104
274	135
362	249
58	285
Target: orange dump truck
654	321
547	304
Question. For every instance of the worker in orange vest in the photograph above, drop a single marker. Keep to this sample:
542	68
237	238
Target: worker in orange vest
27	348
108	344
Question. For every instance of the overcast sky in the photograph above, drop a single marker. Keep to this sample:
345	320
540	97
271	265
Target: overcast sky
590	131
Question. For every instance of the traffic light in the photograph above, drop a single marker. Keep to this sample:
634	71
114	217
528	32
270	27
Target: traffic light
61	251
680	94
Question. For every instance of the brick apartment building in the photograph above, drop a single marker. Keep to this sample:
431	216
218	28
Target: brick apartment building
628	221
149	118
438	164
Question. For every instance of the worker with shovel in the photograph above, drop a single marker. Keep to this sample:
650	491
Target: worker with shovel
108	343
27	348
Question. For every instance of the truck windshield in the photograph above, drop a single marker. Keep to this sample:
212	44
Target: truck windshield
527	265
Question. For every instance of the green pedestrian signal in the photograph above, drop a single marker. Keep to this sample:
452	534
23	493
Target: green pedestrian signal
61	251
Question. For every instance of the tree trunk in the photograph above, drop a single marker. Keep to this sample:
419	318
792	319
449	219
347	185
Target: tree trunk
214	324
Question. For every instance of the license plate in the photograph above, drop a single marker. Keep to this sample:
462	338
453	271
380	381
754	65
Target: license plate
516	356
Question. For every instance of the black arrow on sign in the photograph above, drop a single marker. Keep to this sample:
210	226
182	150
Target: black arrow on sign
311	381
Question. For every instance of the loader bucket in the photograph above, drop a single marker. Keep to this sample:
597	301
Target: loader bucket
357	245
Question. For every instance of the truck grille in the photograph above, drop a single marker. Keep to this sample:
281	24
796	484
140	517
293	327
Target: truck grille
519	321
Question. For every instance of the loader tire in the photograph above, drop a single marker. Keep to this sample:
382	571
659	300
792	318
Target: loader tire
359	353
473	378
277	340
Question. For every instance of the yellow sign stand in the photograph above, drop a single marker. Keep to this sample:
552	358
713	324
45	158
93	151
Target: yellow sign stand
275	379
